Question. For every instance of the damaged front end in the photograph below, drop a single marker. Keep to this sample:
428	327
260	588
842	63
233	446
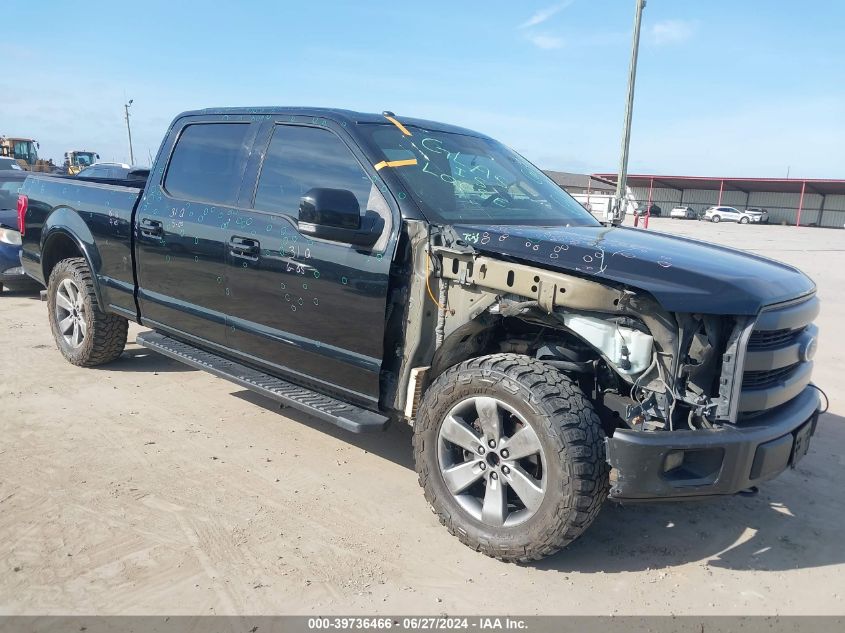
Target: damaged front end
672	388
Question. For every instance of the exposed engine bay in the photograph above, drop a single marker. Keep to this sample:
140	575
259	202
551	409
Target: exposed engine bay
645	368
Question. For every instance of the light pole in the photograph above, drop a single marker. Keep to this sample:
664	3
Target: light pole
617	214
129	132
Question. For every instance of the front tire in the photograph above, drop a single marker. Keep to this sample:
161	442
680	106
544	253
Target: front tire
743	220
716	219
511	456
85	335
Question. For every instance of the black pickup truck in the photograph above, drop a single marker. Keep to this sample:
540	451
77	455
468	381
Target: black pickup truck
366	269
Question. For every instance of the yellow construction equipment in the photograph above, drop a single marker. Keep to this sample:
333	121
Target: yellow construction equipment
76	160
25	152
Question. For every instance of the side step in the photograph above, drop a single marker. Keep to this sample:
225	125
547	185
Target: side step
344	415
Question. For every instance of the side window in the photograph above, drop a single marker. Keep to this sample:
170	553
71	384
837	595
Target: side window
301	158
207	163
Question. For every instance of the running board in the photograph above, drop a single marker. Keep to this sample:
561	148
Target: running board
346	416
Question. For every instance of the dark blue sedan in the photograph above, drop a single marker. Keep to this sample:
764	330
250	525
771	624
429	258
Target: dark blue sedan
11	273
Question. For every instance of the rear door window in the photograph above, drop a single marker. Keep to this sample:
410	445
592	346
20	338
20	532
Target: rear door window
207	163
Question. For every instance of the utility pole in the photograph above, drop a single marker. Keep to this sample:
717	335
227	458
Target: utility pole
129	132
616	215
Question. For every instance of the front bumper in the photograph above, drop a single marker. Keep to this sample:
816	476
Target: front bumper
721	461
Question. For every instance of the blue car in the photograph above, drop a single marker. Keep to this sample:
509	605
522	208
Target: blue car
11	273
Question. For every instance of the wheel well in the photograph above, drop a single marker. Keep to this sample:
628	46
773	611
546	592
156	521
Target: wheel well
58	247
468	341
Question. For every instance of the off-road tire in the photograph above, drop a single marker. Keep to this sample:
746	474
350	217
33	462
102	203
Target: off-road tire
106	333
569	431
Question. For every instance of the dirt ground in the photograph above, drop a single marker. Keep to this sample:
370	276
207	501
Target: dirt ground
145	487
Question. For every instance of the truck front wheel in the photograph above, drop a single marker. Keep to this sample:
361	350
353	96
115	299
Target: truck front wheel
511	456
84	334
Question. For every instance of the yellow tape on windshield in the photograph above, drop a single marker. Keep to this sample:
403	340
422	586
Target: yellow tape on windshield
395	163
401	127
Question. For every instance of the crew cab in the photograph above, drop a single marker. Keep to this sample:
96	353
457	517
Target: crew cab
371	268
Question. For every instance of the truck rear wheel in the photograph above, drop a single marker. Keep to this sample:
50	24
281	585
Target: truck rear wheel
511	456
84	334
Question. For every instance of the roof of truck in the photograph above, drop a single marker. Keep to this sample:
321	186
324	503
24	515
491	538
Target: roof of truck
337	114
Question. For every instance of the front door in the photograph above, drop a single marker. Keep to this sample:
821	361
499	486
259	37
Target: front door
182	225
311	310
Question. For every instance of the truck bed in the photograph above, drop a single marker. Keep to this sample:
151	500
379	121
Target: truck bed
96	213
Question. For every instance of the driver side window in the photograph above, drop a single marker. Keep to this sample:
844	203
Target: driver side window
301	158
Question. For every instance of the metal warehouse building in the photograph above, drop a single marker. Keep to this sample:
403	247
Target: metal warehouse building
582	183
804	202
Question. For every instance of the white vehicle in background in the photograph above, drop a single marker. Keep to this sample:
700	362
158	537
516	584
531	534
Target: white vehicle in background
730	214
683	213
758	215
600	203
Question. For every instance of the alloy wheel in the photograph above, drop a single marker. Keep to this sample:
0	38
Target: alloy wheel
492	462
70	313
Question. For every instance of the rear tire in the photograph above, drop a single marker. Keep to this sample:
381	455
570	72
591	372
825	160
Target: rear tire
567	468
85	335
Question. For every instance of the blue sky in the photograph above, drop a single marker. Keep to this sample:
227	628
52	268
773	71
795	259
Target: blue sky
725	87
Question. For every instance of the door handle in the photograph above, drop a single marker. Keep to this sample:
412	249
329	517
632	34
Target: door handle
244	248
151	228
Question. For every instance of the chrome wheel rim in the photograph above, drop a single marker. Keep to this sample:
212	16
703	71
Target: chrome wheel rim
70	313
491	461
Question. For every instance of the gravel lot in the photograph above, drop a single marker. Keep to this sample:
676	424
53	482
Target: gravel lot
146	487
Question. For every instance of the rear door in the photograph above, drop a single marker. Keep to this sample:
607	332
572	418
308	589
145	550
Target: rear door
311	310
182	225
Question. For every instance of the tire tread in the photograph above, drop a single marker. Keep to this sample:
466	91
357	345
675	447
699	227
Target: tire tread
567	415
108	331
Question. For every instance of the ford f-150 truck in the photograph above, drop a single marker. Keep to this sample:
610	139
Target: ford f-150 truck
370	268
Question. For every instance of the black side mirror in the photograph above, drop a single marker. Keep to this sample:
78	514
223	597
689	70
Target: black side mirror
335	215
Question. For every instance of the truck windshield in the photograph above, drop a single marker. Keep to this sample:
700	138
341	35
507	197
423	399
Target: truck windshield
458	178
83	159
25	150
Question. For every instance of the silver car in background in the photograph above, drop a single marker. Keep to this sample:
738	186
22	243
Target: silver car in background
757	215
683	213
732	214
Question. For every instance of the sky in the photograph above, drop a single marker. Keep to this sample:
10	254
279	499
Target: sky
748	88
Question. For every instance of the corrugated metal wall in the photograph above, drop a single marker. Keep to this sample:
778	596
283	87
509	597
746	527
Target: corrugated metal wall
782	207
